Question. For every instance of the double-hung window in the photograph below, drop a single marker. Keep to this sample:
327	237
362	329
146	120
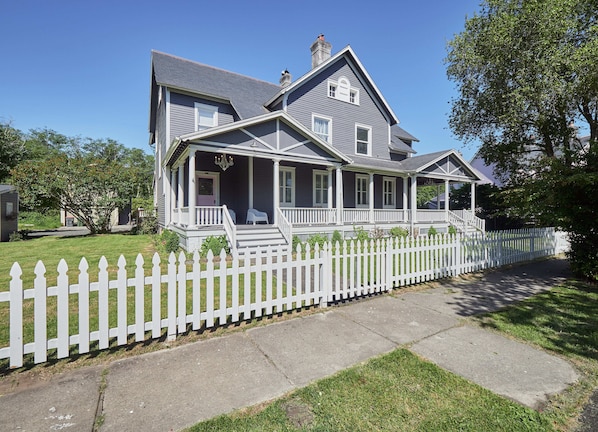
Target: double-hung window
286	184
206	116
320	188
361	190
363	140
388	192
322	126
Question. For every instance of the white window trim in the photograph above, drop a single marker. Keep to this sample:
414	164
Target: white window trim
323	117
291	170
337	96
367	190
393	182
206	107
369	128
324	174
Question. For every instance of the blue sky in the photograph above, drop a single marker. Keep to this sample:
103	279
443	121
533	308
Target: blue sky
82	68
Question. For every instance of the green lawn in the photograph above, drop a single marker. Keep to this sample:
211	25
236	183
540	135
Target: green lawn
400	392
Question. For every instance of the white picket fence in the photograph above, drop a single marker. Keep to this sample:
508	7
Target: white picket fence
193	295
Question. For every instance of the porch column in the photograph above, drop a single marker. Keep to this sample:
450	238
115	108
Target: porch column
447	200
250	180
276	191
172	193
472	198
192	189
371	197
413	202
167	196
339	195
329	187
405	198
181	190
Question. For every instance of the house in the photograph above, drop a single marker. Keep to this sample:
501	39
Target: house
321	153
9	211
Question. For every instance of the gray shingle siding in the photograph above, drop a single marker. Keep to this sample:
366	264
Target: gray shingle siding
182	113
312	97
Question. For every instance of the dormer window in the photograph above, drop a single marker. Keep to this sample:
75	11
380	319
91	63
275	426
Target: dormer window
342	90
332	90
206	116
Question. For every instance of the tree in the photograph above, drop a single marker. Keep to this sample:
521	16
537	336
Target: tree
526	73
11	149
89	178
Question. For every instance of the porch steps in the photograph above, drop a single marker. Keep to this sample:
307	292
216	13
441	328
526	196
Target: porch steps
259	235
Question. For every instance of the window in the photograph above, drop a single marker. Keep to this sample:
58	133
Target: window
322	126
320	188
206	116
363	140
361	191
389	194
286	182
342	90
332	90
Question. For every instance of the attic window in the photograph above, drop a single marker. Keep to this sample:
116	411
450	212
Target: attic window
206	116
342	90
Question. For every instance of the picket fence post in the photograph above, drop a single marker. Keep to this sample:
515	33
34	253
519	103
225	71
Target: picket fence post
16	317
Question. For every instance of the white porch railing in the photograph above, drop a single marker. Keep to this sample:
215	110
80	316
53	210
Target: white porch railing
285	226
430	216
309	216
356	215
389	215
209	215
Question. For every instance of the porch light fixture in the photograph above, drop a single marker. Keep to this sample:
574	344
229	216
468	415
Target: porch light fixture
224	161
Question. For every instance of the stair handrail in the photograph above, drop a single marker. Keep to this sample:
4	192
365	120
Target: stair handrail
466	218
285	227
229	228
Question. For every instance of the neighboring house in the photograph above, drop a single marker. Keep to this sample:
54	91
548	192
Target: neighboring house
314	155
9	211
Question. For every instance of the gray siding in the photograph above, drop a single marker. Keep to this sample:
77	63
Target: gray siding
312	97
161	146
182	113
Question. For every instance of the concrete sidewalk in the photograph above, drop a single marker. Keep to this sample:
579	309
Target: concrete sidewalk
174	388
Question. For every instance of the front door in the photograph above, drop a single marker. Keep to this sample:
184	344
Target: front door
207	189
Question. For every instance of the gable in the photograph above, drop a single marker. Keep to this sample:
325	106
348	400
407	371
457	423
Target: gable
270	136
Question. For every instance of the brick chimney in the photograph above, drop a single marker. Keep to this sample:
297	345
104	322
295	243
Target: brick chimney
320	51
285	78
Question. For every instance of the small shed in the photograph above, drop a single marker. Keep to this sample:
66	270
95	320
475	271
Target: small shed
9	211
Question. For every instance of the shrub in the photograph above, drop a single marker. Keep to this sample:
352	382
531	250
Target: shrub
15	236
432	231
452	230
319	239
296	242
168	241
399	232
337	237
361	234
147	225
214	244
377	233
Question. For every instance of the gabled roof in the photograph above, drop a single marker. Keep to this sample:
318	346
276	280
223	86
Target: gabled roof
399	132
348	53
246	94
417	164
217	130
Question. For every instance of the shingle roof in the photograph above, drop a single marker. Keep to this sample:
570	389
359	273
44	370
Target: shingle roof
6	188
247	95
416	162
401	133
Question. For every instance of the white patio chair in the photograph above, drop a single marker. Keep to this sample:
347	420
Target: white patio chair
233	215
254	216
